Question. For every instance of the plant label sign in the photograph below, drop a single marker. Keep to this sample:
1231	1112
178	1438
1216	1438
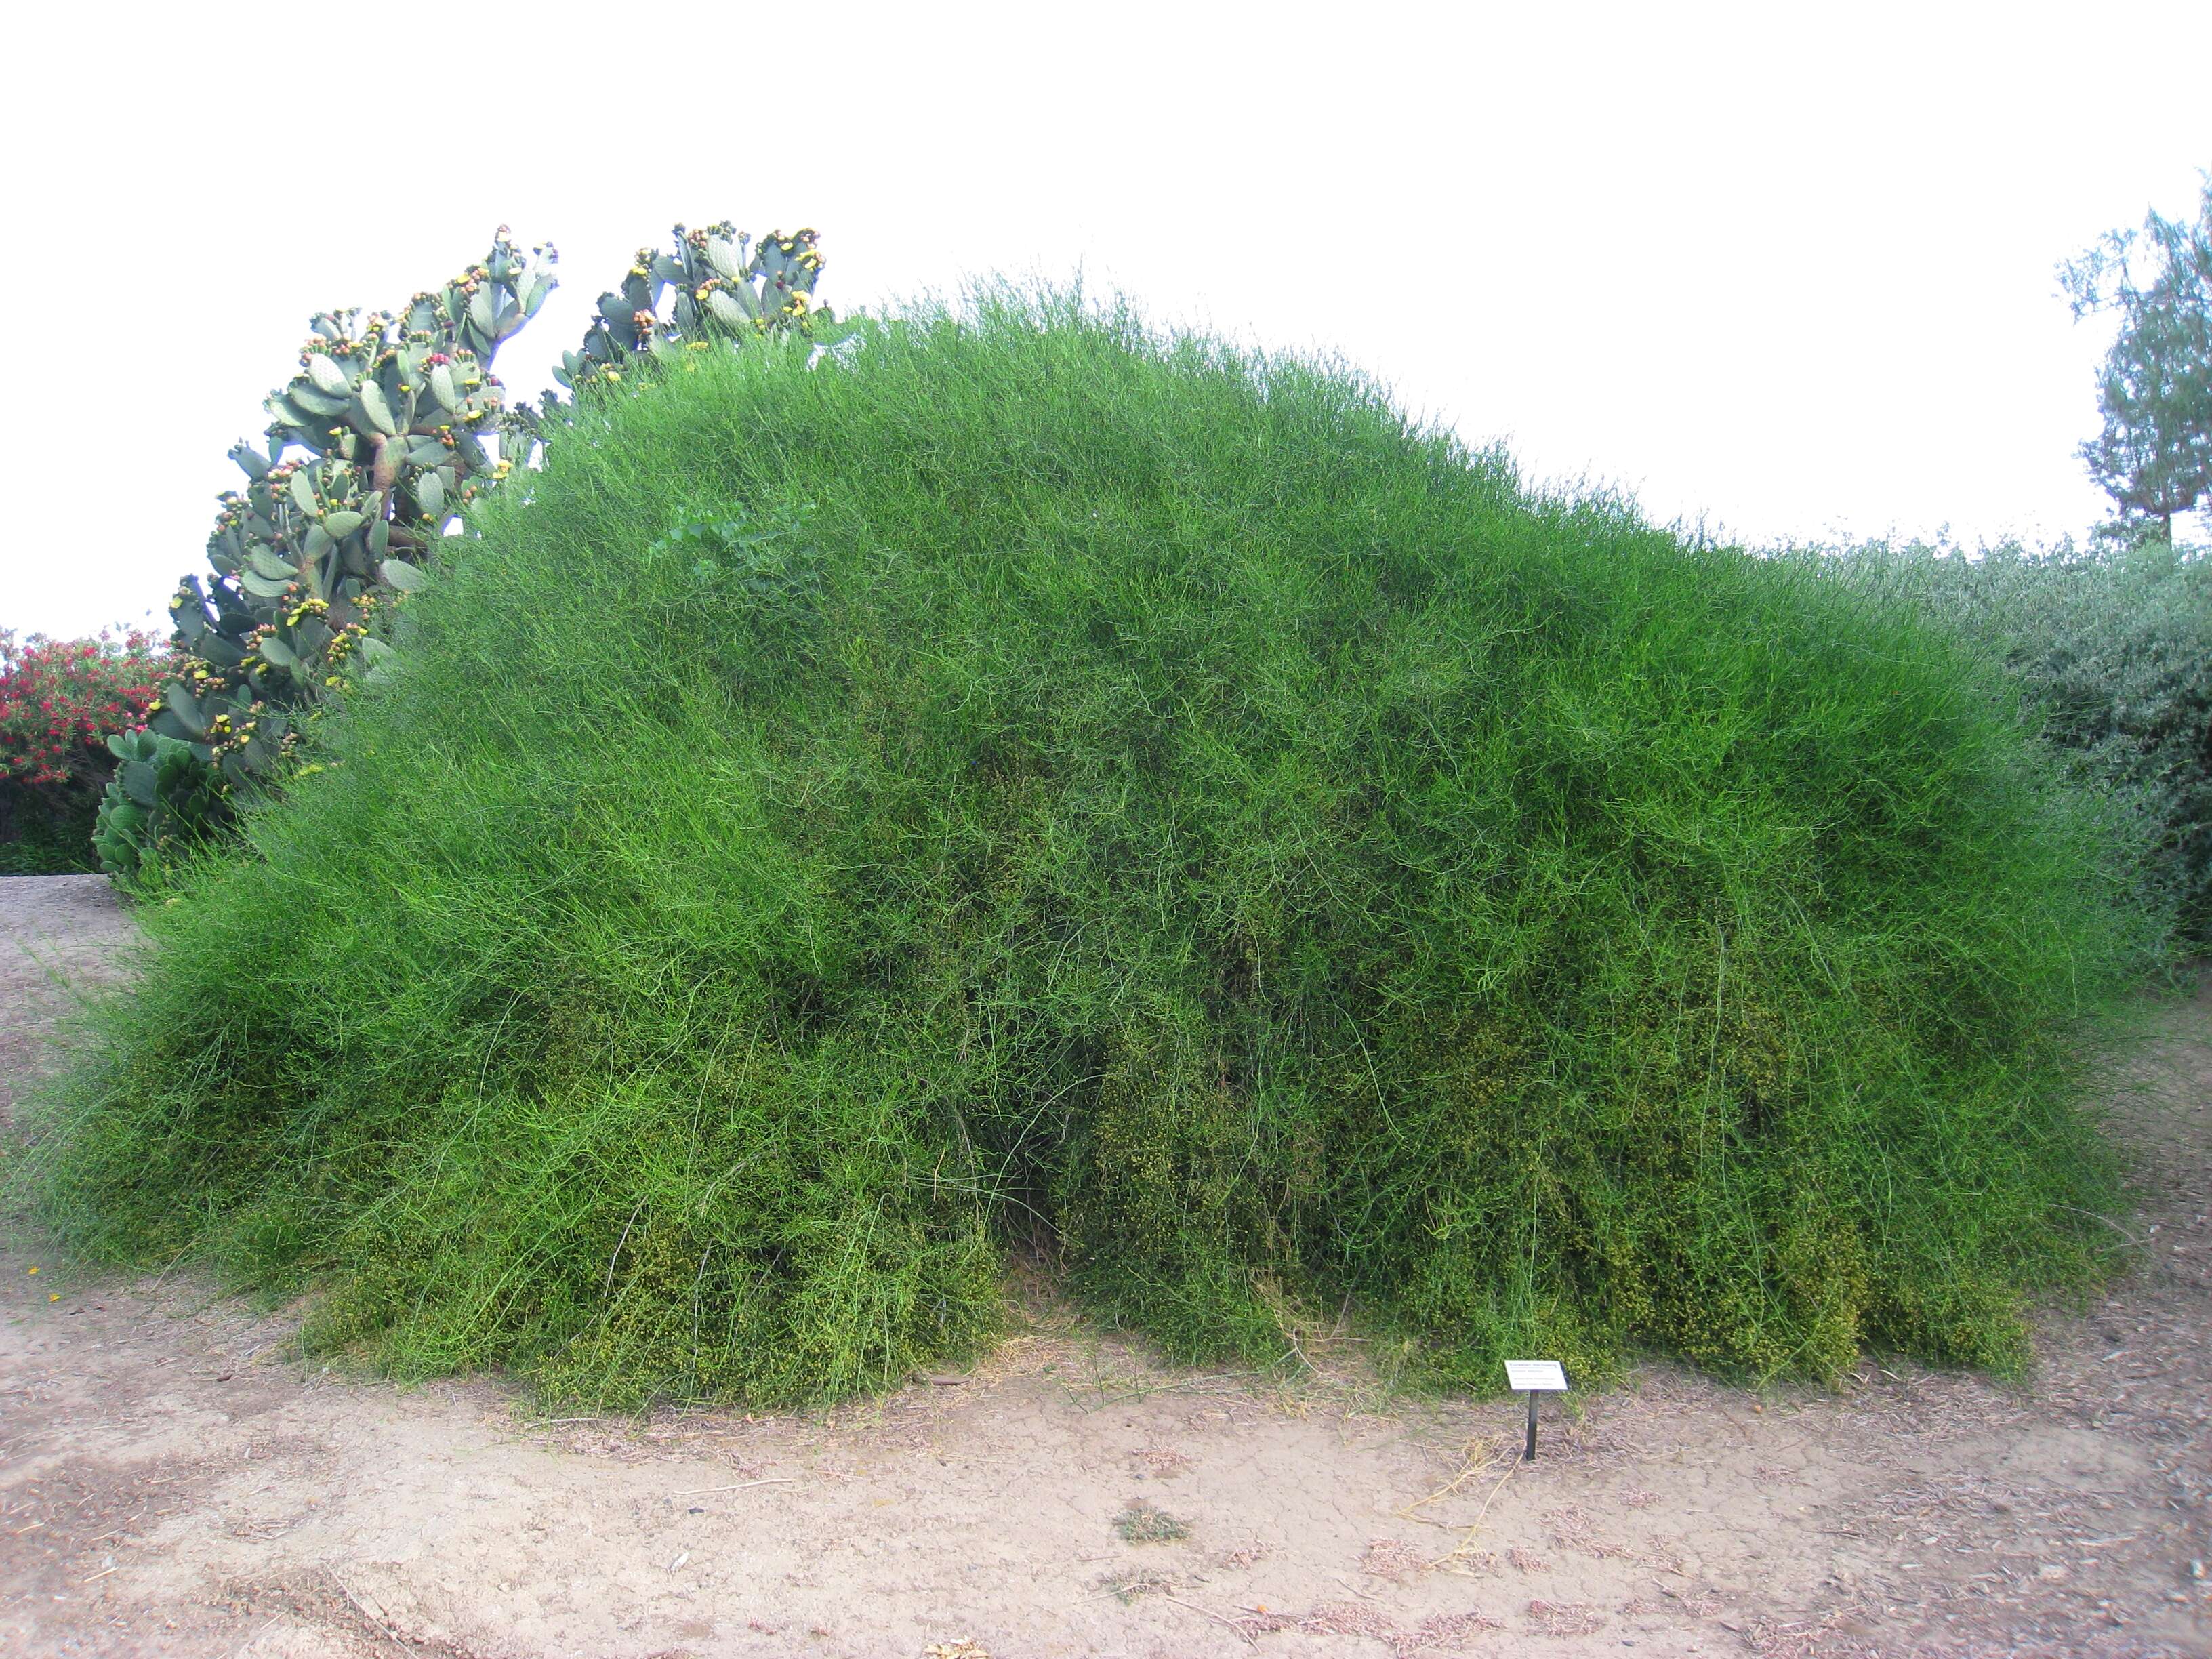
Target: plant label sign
1533	1377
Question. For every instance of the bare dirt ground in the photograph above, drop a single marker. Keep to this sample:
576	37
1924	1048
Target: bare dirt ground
175	1481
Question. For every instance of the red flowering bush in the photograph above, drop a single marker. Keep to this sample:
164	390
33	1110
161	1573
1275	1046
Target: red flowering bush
60	701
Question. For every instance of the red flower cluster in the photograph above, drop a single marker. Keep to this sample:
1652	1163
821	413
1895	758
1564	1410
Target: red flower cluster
60	699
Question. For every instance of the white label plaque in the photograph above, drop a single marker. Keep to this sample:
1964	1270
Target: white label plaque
1535	1377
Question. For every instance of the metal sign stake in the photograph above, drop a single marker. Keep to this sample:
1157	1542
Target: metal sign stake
1533	1377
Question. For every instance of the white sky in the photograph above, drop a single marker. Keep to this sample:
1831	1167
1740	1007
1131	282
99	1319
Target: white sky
1785	268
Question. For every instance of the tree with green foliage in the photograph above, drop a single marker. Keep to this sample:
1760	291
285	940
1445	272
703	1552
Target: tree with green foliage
2153	455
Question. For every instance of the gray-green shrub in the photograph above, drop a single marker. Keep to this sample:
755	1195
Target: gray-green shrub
2111	645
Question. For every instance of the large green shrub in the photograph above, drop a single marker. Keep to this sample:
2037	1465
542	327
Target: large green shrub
2113	646
1016	783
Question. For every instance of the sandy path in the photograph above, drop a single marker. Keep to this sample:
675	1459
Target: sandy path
175	1481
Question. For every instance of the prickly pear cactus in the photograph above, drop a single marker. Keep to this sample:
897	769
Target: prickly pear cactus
391	424
161	798
719	284
388	427
378	441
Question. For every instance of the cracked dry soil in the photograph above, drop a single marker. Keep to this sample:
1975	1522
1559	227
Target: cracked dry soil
176	1480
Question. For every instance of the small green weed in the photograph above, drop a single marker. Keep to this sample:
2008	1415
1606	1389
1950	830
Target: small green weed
1144	1523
